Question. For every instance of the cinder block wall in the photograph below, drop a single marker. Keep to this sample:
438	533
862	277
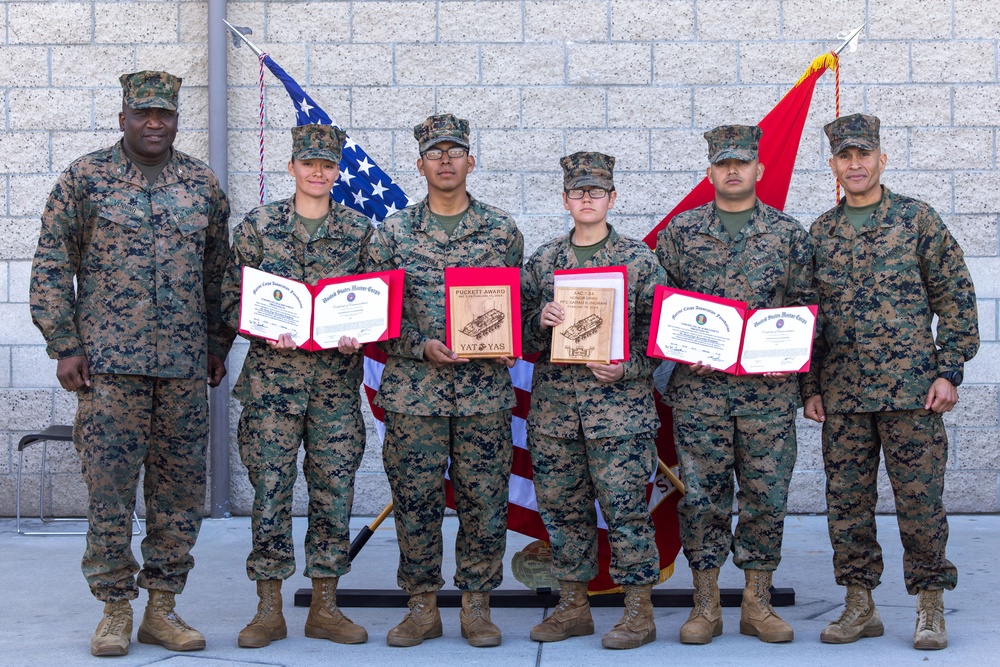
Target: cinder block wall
639	79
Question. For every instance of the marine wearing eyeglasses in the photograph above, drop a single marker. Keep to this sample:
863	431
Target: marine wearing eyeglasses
591	427
438	405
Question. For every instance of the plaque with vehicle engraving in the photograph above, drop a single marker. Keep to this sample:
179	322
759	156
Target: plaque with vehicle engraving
586	330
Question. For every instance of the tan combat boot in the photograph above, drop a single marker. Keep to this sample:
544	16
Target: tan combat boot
636	626
114	632
269	623
475	620
930	633
570	618
422	621
859	619
326	621
162	626
705	620
757	616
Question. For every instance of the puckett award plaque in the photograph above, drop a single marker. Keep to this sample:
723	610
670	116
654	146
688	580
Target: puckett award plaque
481	322
482	311
586	330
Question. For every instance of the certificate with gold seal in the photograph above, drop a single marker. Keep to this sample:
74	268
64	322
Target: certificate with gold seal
368	307
727	335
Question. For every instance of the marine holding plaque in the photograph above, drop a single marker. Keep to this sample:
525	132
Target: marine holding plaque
291	395
480	304
592	423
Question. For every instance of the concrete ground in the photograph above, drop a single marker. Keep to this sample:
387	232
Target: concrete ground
48	614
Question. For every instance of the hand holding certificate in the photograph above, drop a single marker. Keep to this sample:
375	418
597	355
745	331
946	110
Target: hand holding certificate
728	336
367	307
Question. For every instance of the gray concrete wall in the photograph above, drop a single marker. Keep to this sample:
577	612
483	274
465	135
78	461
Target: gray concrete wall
639	79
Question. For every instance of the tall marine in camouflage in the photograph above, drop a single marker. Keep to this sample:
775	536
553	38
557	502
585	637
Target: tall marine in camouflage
739	248
142	230
591	428
438	405
882	377
291	396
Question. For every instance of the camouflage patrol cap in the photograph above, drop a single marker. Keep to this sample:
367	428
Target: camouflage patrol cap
442	127
733	141
588	169
858	130
150	90
323	142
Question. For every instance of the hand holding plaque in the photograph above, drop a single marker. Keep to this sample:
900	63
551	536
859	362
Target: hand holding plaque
585	332
482	312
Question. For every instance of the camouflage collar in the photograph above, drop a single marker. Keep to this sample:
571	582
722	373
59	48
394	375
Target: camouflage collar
123	169
327	230
756	225
474	221
603	257
843	228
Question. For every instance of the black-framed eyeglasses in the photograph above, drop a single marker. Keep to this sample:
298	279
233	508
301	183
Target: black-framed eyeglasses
594	193
453	152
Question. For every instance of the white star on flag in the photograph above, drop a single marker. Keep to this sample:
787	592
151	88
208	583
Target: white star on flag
346	176
349	144
305	107
390	209
359	198
378	189
364	165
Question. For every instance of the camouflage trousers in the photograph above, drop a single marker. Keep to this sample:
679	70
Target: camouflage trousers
760	450
415	454
333	436
915	447
125	423
569	474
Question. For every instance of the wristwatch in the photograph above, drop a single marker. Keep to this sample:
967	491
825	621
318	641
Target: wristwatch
954	377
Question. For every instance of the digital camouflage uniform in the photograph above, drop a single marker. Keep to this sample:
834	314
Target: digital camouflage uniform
874	360
294	396
726	423
461	411
590	440
148	262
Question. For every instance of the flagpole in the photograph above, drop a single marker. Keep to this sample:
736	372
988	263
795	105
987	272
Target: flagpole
237	34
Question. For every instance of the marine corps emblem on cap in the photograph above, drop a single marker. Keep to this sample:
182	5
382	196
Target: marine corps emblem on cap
150	90
856	130
733	141
318	142
588	170
443	127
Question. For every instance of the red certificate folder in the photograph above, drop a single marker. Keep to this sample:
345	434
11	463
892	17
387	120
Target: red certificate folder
480	277
617	270
394	280
700	309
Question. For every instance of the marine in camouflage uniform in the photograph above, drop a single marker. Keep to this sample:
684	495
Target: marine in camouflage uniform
438	406
291	396
142	229
726	424
882	279
591	428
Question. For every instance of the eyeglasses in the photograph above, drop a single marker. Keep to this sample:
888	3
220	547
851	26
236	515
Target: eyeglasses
594	193
453	152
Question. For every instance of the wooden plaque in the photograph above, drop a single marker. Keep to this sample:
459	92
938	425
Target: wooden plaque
480	320
585	333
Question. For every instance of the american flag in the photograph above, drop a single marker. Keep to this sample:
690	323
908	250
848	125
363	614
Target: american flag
362	185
